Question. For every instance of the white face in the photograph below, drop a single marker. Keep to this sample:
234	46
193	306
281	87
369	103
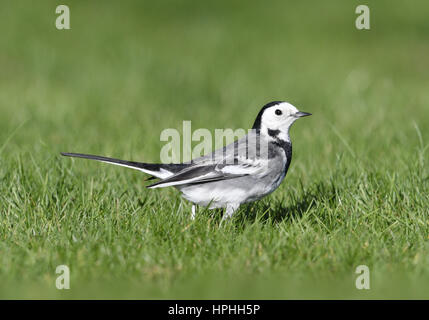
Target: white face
279	117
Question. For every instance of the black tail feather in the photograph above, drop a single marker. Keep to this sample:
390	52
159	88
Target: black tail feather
174	168
140	165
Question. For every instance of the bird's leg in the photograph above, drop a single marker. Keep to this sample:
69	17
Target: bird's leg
230	209
193	212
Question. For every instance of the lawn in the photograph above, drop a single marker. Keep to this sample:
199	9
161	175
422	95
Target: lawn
357	191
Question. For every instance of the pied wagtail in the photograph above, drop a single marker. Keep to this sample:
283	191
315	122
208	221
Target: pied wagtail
243	171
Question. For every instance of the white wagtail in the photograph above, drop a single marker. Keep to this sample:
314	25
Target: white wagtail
241	172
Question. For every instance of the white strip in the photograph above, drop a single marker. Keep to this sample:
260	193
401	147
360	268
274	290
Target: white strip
176	183
162	173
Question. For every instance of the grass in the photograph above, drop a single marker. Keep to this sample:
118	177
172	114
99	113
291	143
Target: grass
357	191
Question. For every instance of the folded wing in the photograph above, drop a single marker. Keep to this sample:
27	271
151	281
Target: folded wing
199	174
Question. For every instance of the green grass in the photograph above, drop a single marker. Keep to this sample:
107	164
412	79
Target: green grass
357	191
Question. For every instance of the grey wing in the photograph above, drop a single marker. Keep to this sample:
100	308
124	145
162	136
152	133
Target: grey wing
245	156
206	173
247	150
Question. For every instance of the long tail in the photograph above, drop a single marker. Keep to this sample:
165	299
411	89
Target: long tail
161	171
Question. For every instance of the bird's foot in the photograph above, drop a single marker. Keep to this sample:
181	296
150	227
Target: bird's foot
230	209
193	212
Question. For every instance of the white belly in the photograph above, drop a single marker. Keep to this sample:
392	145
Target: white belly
219	194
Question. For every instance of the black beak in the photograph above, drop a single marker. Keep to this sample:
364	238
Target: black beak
301	114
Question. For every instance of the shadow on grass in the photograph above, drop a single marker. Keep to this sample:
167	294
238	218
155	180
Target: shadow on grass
299	203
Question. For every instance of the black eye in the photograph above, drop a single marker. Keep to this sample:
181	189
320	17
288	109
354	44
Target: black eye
279	112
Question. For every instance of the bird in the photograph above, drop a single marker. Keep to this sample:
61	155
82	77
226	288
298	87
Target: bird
244	171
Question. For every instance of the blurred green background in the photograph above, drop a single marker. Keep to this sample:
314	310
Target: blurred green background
356	193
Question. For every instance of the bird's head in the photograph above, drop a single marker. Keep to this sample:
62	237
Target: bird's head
275	118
